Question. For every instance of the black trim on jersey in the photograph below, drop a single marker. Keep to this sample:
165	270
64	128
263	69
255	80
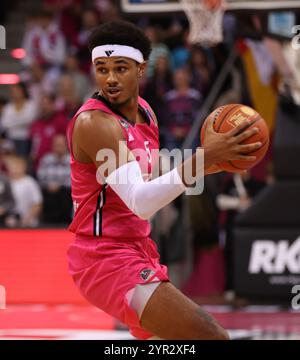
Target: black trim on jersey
99	212
95	216
144	113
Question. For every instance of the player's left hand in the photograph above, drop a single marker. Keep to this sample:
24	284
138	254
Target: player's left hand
214	169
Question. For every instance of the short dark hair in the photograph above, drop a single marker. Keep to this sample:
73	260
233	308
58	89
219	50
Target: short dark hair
121	33
24	88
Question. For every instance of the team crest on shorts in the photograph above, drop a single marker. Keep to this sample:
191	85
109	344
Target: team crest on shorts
146	273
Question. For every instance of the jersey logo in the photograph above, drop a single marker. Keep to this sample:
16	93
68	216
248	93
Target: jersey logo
130	137
146	273
75	206
109	52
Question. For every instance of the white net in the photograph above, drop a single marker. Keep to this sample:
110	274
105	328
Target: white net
205	24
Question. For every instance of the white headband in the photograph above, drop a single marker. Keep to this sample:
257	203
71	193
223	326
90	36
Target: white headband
117	50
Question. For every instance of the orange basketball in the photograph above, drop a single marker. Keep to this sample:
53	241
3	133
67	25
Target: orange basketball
229	116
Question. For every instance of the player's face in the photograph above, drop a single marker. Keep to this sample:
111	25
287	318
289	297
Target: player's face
117	77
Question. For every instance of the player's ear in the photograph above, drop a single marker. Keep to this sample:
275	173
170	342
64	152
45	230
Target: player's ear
142	69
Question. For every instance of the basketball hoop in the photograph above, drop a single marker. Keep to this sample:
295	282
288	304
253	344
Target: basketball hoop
205	22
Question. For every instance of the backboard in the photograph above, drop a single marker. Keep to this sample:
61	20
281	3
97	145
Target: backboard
159	6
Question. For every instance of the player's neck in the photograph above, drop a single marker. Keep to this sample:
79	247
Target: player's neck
128	109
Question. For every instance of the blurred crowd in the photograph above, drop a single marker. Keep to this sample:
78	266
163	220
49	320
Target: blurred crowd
57	77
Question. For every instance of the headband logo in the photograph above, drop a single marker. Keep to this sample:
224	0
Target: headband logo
109	52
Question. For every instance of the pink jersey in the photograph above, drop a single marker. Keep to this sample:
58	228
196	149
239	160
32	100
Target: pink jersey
99	212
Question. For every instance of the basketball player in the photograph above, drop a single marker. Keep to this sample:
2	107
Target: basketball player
113	262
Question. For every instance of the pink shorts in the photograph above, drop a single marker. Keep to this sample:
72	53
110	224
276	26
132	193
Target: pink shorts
105	270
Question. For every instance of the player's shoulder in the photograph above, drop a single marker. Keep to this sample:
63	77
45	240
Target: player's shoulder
96	128
95	120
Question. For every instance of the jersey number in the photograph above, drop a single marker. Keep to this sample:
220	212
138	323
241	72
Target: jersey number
146	143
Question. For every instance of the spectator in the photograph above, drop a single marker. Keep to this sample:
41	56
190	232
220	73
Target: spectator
200	70
26	193
54	177
40	81
6	198
80	81
68	99
45	128
181	105
7	148
109	9
181	51
158	85
90	19
68	14
44	43
159	49
17	117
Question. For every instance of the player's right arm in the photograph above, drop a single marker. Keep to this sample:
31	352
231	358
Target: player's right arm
95	131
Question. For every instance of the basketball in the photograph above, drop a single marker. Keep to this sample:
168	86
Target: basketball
229	116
